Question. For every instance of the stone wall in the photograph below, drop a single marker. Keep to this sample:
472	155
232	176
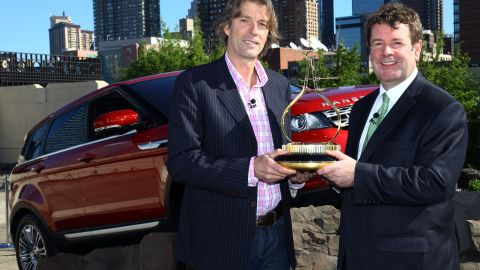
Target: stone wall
315	239
21	107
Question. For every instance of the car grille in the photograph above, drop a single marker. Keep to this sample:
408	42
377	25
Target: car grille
344	113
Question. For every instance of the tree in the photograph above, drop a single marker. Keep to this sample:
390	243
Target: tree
343	68
170	55
456	78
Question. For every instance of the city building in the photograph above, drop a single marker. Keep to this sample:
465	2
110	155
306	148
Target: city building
430	11
126	19
297	19
326	23
66	36
187	28
193	10
456	21
208	12
468	28
350	33
360	7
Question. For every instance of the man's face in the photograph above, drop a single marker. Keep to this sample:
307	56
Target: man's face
248	33
392	54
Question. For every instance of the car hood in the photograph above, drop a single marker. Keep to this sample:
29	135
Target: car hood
340	97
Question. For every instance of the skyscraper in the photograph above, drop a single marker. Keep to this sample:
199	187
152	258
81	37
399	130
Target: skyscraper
208	11
126	19
297	19
360	7
456	21
326	22
66	36
430	11
469	22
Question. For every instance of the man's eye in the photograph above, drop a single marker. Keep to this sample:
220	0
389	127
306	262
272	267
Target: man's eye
397	45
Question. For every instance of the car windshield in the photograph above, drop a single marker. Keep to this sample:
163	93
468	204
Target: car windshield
294	89
156	92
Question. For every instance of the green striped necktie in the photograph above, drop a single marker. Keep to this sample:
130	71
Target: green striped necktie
377	119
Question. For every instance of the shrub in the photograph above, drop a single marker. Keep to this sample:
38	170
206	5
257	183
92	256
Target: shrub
474	185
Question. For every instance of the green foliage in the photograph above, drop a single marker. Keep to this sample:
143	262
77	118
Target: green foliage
456	78
170	55
341	69
474	184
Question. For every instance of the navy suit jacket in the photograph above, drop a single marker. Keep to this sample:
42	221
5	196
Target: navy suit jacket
211	142
399	214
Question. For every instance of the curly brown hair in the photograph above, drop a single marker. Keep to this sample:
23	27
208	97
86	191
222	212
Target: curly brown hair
233	10
392	14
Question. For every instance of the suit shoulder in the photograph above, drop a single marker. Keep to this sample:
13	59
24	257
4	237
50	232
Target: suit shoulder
202	71
275	75
435	96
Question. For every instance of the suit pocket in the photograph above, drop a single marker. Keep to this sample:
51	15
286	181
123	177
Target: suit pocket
414	244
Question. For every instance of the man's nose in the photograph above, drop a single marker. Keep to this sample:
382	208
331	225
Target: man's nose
387	50
253	28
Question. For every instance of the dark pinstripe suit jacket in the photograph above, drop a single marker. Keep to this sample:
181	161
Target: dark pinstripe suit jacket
399	215
211	142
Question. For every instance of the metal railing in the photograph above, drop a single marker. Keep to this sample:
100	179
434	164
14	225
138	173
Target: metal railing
8	242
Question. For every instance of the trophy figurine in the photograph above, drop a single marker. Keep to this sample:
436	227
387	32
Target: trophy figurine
308	156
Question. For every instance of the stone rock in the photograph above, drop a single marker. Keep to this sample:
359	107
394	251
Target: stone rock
63	261
470	266
467	175
475	231
154	244
315	237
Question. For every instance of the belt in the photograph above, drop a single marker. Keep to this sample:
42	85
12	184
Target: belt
271	217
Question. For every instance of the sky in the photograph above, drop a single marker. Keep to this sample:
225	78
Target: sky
25	23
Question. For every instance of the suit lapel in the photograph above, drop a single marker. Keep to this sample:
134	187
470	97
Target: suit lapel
355	131
229	96
396	114
274	109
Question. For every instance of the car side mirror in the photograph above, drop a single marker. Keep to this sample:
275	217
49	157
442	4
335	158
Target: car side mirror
115	121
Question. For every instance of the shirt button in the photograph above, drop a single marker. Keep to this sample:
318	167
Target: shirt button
253	204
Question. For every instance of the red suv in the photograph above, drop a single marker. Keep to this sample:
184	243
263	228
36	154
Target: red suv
96	167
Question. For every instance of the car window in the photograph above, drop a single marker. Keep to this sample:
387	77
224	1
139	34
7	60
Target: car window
156	92
68	130
33	146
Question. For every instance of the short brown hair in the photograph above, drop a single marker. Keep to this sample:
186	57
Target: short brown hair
233	10
392	14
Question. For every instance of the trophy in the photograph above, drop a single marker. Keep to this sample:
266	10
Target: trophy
308	156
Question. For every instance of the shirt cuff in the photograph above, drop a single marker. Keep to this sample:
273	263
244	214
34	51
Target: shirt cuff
252	180
295	186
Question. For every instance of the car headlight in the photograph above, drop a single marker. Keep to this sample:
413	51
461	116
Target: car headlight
309	121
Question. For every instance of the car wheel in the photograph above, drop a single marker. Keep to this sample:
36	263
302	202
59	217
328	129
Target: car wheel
32	243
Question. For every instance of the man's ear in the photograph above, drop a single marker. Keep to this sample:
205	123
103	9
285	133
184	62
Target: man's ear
226	29
418	49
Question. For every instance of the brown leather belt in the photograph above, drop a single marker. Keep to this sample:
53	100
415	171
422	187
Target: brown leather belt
271	217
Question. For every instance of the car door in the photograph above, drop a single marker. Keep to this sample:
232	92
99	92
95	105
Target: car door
118	177
56	172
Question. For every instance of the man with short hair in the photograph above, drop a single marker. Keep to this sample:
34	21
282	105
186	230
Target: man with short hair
405	150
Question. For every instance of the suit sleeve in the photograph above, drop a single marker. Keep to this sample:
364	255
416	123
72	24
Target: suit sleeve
187	162
432	178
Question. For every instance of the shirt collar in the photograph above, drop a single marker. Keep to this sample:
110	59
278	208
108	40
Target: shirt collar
395	92
262	77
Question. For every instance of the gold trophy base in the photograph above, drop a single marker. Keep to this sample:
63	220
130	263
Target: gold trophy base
307	157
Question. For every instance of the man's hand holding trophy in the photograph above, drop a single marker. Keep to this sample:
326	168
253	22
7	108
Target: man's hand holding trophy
308	157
